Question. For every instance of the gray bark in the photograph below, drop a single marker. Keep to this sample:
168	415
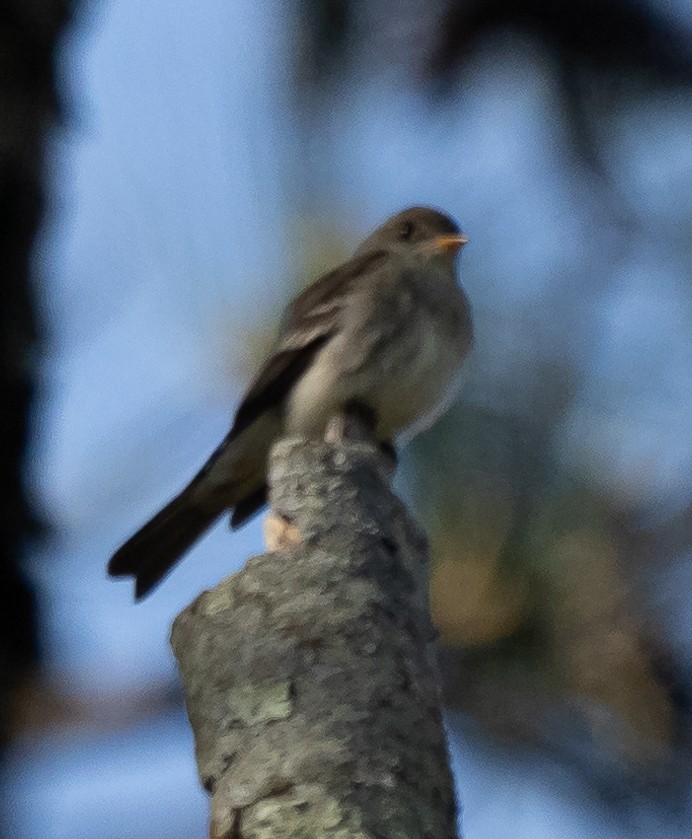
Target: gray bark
308	674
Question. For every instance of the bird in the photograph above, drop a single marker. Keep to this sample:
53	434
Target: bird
387	331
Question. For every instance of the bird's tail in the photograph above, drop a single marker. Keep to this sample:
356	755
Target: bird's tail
233	478
150	554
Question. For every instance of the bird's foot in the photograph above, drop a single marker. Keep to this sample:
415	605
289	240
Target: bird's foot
363	414
355	421
388	450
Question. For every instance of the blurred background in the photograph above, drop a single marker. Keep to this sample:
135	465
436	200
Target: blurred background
172	173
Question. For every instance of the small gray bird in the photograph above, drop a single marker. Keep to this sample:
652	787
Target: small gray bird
387	331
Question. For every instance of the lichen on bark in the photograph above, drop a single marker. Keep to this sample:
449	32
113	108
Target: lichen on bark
308	675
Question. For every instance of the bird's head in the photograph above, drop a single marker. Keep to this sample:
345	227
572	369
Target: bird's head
419	233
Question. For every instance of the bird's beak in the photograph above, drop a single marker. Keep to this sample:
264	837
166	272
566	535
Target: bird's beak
450	243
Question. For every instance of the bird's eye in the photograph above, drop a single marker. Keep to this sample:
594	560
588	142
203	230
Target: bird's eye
406	231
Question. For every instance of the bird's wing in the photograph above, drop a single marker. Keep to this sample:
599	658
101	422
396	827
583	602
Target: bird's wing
310	321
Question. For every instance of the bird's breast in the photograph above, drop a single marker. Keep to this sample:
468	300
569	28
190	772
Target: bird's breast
419	385
404	363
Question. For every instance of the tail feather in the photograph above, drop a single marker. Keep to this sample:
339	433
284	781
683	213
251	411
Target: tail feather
151	553
248	506
232	479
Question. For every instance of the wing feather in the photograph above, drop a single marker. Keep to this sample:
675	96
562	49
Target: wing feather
310	321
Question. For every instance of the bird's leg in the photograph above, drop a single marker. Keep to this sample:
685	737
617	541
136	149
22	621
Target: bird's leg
358	420
363	414
388	450
367	418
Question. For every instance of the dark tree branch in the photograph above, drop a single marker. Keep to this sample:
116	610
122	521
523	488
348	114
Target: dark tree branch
29	34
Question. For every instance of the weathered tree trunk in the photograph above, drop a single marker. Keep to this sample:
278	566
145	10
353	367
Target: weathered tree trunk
308	676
